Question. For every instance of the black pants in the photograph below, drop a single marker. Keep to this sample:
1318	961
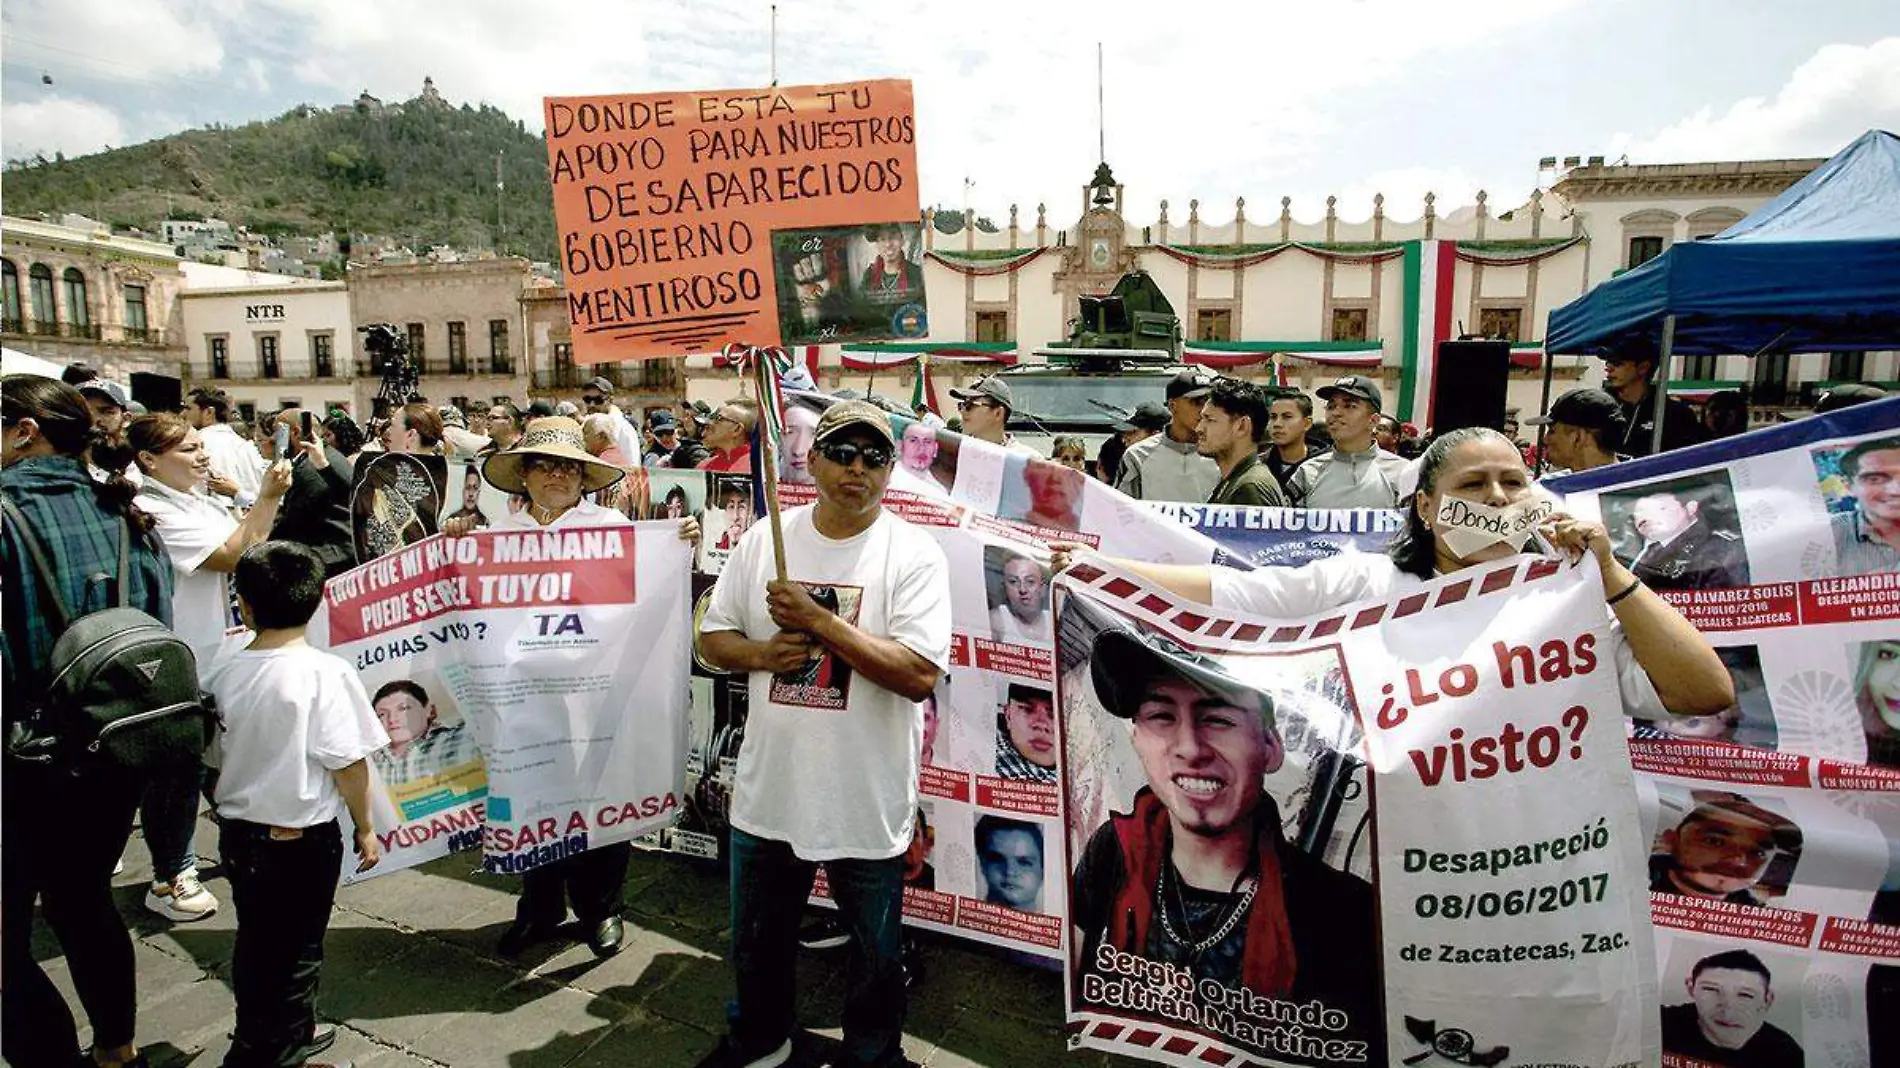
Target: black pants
283	890
63	836
592	881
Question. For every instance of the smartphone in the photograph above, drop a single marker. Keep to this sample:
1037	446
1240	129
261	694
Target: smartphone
280	439
309	427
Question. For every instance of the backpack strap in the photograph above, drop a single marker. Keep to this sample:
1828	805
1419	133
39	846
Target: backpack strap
62	612
125	564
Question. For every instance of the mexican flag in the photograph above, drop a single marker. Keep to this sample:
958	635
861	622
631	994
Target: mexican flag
923	393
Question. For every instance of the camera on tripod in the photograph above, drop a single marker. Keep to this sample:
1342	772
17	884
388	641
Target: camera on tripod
388	348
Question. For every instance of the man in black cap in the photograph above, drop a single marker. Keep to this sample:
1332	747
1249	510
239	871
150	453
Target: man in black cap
1197	873
1586	426
1357	473
1626	376
985	408
1147	420
1169	466
692	452
663	437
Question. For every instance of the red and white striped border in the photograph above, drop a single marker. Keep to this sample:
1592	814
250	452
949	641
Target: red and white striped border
1211	630
1145	1040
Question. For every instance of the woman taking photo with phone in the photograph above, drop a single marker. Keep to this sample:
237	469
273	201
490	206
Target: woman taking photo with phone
203	543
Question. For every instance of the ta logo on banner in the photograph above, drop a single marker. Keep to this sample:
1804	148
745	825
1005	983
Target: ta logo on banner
1452	1043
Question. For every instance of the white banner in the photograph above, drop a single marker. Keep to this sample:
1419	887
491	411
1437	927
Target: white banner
533	684
1503	914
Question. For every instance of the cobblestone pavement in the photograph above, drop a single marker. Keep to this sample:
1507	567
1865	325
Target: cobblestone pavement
412	978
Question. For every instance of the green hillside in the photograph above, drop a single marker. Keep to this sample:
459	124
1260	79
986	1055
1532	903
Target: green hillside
422	173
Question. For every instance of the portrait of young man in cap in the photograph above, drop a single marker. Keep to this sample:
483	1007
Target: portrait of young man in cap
1722	850
1198	872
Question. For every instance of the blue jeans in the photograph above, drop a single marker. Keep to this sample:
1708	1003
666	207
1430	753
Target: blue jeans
169	815
769	889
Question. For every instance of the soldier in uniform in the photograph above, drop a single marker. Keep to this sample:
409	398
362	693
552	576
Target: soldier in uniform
1681	550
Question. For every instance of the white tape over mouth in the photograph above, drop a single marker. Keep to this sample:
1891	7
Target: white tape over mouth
1469	527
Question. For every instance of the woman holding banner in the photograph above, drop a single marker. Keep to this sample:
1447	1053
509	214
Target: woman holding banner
1664	665
550	465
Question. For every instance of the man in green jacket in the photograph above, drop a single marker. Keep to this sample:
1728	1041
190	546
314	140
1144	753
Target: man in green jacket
1230	430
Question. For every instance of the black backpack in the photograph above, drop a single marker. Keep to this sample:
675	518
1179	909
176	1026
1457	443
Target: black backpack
124	692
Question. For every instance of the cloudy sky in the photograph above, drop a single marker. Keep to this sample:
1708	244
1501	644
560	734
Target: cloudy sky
1253	98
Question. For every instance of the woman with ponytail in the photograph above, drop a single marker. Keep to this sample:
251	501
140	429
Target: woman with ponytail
203	544
64	832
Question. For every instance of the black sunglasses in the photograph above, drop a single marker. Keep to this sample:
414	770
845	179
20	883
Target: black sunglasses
966	405
842	453
594	400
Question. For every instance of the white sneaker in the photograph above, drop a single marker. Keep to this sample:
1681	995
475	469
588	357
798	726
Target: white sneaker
182	900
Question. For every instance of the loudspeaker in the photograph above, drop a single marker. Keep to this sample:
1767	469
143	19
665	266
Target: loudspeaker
1469	383
159	393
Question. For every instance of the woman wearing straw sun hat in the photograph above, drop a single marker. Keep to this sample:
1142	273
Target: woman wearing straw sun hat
550	465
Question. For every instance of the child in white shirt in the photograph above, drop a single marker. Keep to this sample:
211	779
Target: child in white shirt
293	754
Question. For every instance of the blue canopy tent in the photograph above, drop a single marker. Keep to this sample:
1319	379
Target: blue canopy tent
1817	269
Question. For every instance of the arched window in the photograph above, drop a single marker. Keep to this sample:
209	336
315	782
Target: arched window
45	308
11	292
77	313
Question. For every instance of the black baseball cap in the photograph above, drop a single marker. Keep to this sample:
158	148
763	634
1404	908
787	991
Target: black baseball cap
1147	416
1590	409
1355	386
990	388
1122	661
1191	384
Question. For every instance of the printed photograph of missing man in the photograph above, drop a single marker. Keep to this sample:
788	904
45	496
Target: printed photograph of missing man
1717	845
1680	534
1016	588
1200	867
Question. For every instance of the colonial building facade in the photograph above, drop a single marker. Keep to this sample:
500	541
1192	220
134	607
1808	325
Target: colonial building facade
273	346
79	294
1307	299
463	322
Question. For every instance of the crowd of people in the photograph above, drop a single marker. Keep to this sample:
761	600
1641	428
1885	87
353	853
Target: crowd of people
225	526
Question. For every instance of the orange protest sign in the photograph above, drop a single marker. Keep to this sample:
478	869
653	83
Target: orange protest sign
758	217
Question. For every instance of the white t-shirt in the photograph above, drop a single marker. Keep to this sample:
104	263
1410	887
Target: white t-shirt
192	526
840	781
292	716
235	459
1006	628
1294	592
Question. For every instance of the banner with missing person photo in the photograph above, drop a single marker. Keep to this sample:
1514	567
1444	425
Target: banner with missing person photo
1404	827
532	683
1774	827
